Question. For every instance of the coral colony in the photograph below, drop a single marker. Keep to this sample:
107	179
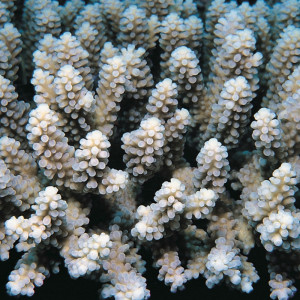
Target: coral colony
123	93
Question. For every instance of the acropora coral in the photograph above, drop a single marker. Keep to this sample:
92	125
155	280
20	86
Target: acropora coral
139	132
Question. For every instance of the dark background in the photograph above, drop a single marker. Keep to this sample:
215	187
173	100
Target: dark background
61	286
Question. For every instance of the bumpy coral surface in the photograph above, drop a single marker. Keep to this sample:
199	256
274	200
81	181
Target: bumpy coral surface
143	139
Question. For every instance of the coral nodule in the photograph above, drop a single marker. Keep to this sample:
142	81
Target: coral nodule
162	131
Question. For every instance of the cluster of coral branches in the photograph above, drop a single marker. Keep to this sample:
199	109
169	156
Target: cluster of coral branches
123	94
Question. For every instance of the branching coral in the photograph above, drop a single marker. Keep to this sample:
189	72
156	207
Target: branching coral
162	130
